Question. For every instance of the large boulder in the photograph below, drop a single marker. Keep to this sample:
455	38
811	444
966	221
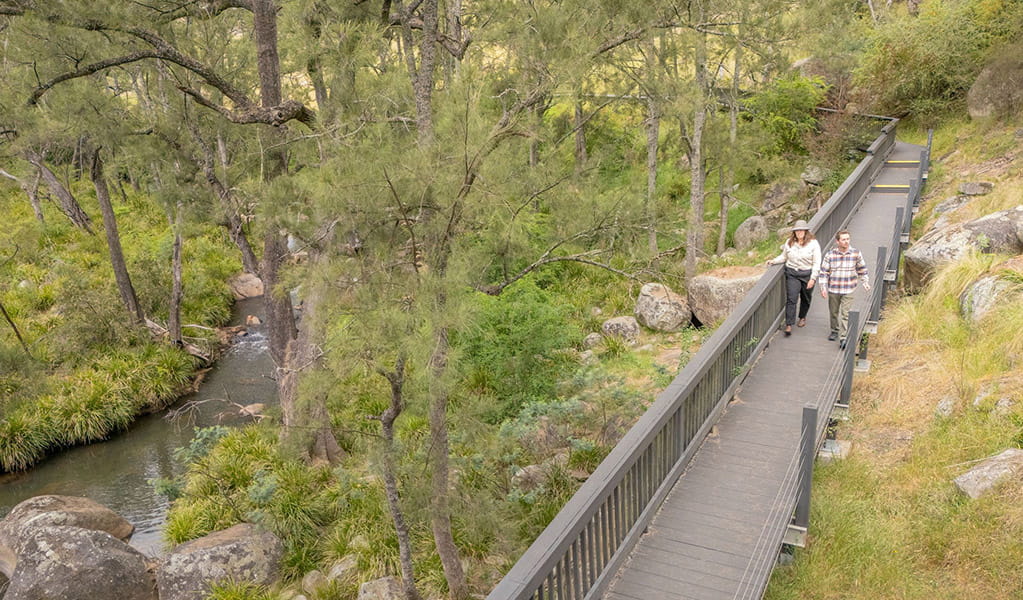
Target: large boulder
778	195
982	295
239	553
71	563
814	175
245	285
998	90
989	291
1000	232
385	588
72	511
981	478
713	295
56	510
750	232
661	309
626	328
976	188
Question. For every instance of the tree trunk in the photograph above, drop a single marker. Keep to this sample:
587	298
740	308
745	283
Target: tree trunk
694	225
17	334
124	285
534	142
653	131
440	514
233	222
308	427
33	198
454	32
174	318
423	73
723	212
68	205
728	178
408	576
32	191
580	138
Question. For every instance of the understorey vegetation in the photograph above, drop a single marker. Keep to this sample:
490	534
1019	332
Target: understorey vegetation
442	201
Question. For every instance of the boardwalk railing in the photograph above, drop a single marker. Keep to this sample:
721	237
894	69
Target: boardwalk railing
838	386
582	548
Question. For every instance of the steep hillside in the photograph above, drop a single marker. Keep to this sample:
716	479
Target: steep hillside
944	393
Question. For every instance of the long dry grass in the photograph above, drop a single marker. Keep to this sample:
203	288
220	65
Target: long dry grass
888	521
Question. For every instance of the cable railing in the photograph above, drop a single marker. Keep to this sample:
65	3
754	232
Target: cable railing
793	496
578	553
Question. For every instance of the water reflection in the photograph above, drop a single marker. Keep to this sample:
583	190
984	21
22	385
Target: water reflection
115	472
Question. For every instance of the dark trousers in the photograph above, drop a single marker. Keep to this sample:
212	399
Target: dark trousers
796	292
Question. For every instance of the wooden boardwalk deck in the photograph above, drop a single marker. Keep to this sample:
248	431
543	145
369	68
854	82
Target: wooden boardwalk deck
717	534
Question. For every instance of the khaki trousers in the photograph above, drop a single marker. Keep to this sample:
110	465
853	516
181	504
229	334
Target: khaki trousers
838	311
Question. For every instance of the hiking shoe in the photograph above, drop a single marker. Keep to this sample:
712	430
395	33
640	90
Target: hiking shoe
832	336
841	344
801	323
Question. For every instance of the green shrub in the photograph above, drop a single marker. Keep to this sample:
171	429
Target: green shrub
239	591
938	55
784	111
23	439
513	351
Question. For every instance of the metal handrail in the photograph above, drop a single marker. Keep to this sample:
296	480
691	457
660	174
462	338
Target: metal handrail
580	550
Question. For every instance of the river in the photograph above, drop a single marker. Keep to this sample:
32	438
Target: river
115	473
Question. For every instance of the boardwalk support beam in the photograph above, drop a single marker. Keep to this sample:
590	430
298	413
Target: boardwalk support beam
796	534
849	358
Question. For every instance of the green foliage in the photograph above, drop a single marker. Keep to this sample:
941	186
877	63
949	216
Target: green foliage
23	439
239	591
586	454
613	346
242	477
513	352
784	111
536	508
94	372
94	401
924	65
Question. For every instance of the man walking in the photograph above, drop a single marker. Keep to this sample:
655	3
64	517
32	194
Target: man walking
842	269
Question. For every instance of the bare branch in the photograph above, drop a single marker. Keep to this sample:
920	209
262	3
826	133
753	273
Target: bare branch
268	115
246	110
89	70
629	36
495	290
204	9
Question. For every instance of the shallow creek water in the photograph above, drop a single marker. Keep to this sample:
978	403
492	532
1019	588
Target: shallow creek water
115	473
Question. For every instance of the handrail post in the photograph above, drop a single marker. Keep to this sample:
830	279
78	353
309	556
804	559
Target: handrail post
925	155
914	194
897	249
807	446
850	356
882	280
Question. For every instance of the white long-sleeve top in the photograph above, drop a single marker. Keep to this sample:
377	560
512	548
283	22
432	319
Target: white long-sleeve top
800	258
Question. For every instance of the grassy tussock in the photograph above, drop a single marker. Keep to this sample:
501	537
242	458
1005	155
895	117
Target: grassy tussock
888	522
93	402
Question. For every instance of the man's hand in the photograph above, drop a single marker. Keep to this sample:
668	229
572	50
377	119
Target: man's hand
824	292
809	284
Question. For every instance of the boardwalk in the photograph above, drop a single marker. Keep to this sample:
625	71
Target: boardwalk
717	534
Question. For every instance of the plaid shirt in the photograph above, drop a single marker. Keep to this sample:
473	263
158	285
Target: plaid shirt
840	271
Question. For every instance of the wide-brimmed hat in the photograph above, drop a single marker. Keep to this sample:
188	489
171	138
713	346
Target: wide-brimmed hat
801	224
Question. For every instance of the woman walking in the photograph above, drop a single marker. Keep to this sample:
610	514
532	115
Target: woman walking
802	257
